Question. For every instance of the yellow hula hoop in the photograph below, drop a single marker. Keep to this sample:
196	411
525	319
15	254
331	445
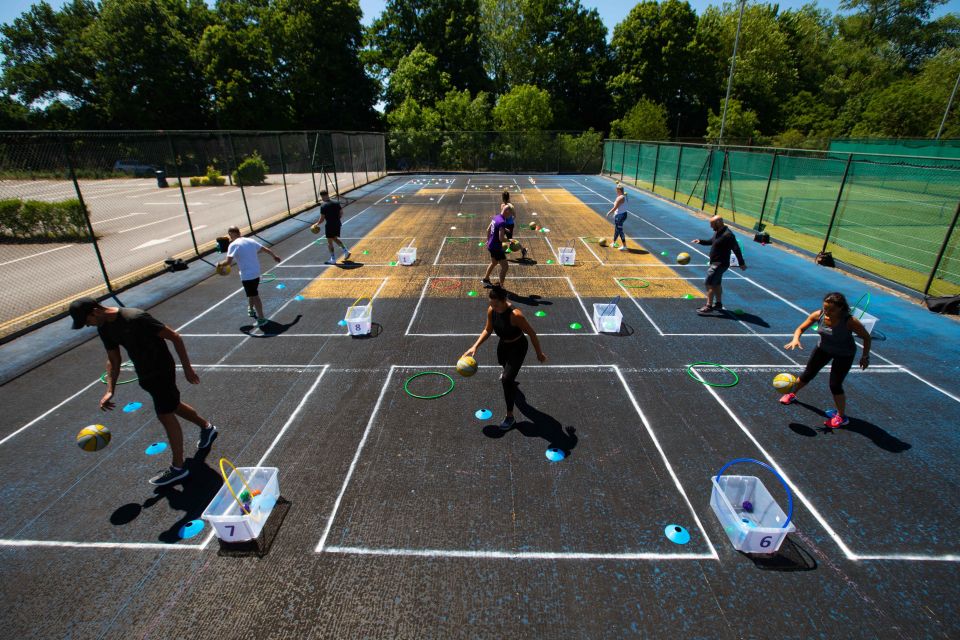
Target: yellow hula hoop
412	240
226	480
358	300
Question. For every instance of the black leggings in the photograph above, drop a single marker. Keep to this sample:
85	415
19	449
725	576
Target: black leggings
841	367
510	355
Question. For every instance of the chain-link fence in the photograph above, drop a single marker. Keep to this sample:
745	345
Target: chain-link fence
86	213
495	151
895	216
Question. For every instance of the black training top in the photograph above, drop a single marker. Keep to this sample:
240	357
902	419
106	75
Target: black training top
721	244
838	339
331	212
502	326
137	331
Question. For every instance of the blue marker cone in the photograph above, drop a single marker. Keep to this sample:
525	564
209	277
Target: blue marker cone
555	455
191	529
155	448
281	286
132	406
676	534
483	414
298	298
342	323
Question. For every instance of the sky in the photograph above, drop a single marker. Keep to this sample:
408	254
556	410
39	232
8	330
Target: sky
611	11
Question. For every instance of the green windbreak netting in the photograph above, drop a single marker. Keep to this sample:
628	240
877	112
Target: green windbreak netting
666	173
714	171
898	215
802	193
693	167
648	163
935	153
946	280
745	182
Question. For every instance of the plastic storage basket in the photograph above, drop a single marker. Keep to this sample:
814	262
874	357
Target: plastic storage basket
360	317
230	520
607	317
750	516
407	256
567	255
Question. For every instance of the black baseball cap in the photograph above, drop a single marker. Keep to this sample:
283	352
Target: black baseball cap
80	309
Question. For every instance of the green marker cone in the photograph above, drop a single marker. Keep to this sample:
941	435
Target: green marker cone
393	263
549	261
688	296
576	325
472	294
664	253
365	252
540	314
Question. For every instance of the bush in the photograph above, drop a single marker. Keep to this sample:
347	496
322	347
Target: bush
213	178
253	170
197	181
36	220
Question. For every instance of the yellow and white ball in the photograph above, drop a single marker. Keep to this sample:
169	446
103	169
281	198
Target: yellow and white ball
785	382
683	258
466	366
93	437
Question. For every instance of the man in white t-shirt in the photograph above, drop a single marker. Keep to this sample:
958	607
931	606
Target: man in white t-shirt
244	251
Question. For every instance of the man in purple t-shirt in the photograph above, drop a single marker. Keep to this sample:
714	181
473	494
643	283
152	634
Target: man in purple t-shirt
496	236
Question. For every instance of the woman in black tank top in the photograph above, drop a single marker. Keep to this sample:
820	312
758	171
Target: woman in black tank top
836	327
509	325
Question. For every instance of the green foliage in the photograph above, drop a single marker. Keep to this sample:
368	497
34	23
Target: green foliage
418	76
523	108
580	154
466	122
252	170
413	131
647	120
33	220
741	124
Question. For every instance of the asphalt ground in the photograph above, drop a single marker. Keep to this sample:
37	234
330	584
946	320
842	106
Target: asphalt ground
138	225
414	518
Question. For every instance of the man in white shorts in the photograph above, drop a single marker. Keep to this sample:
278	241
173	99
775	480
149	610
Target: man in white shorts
245	252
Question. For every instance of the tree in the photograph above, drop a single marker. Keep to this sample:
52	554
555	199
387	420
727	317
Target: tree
741	124
904	24
419	76
656	55
465	123
523	108
647	120
447	29
413	133
46	60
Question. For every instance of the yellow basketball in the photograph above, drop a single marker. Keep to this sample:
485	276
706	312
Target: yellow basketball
223	269
683	258
315	228
466	366
604	243
93	437
515	245
533	226
784	382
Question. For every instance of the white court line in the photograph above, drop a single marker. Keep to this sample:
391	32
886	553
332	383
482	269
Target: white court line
440	250
225	193
48	412
136	213
149	224
34	255
510	555
97	545
263	193
580	238
849	553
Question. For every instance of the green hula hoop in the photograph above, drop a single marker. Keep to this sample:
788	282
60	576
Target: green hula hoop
736	378
125	365
641	286
268	277
406	385
863	309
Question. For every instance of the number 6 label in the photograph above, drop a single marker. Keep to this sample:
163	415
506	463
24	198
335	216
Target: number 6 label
766	541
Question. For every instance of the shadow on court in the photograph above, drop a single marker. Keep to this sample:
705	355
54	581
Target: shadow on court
191	496
538	425
879	436
531	300
271	329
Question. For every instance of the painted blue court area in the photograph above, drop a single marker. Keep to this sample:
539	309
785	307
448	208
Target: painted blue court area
415	517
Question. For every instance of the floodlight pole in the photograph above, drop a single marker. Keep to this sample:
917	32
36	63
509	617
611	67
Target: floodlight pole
946	111
733	65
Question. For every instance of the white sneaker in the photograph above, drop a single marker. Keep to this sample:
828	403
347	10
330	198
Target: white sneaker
332	260
623	248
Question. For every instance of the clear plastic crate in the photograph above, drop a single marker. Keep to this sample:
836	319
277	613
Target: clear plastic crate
229	521
759	529
567	255
359	319
607	317
407	256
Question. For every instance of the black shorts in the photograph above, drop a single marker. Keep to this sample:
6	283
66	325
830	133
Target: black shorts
715	274
508	230
163	390
333	230
497	253
250	287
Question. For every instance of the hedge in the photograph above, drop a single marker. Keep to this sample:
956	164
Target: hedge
38	220
252	170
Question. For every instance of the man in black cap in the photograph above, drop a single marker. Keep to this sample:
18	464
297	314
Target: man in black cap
143	336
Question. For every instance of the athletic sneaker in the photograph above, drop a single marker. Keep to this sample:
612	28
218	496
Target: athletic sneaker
837	421
346	254
788	398
507	423
262	321
704	310
251	312
207	436
523	253
332	260
486	283
169	476
623	248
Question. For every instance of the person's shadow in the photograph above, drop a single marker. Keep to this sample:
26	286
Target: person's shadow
880	437
531	300
539	425
270	329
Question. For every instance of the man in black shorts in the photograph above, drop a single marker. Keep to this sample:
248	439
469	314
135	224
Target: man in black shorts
330	212
721	244
143	336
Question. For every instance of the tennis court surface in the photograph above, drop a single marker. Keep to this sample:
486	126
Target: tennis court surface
414	517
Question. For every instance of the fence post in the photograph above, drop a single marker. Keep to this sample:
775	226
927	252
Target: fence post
86	214
183	195
676	181
559	153
603	160
623	159
243	195
313	160
353	177
363	152
283	172
723	168
766	193
706	181
943	249
836	205
636	172
656	161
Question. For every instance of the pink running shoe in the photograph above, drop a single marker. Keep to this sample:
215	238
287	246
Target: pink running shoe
837	421
788	398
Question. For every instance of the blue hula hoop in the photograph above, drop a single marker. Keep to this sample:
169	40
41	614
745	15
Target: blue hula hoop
774	472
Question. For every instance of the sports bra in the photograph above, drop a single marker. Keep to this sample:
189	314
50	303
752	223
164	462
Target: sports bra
502	326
